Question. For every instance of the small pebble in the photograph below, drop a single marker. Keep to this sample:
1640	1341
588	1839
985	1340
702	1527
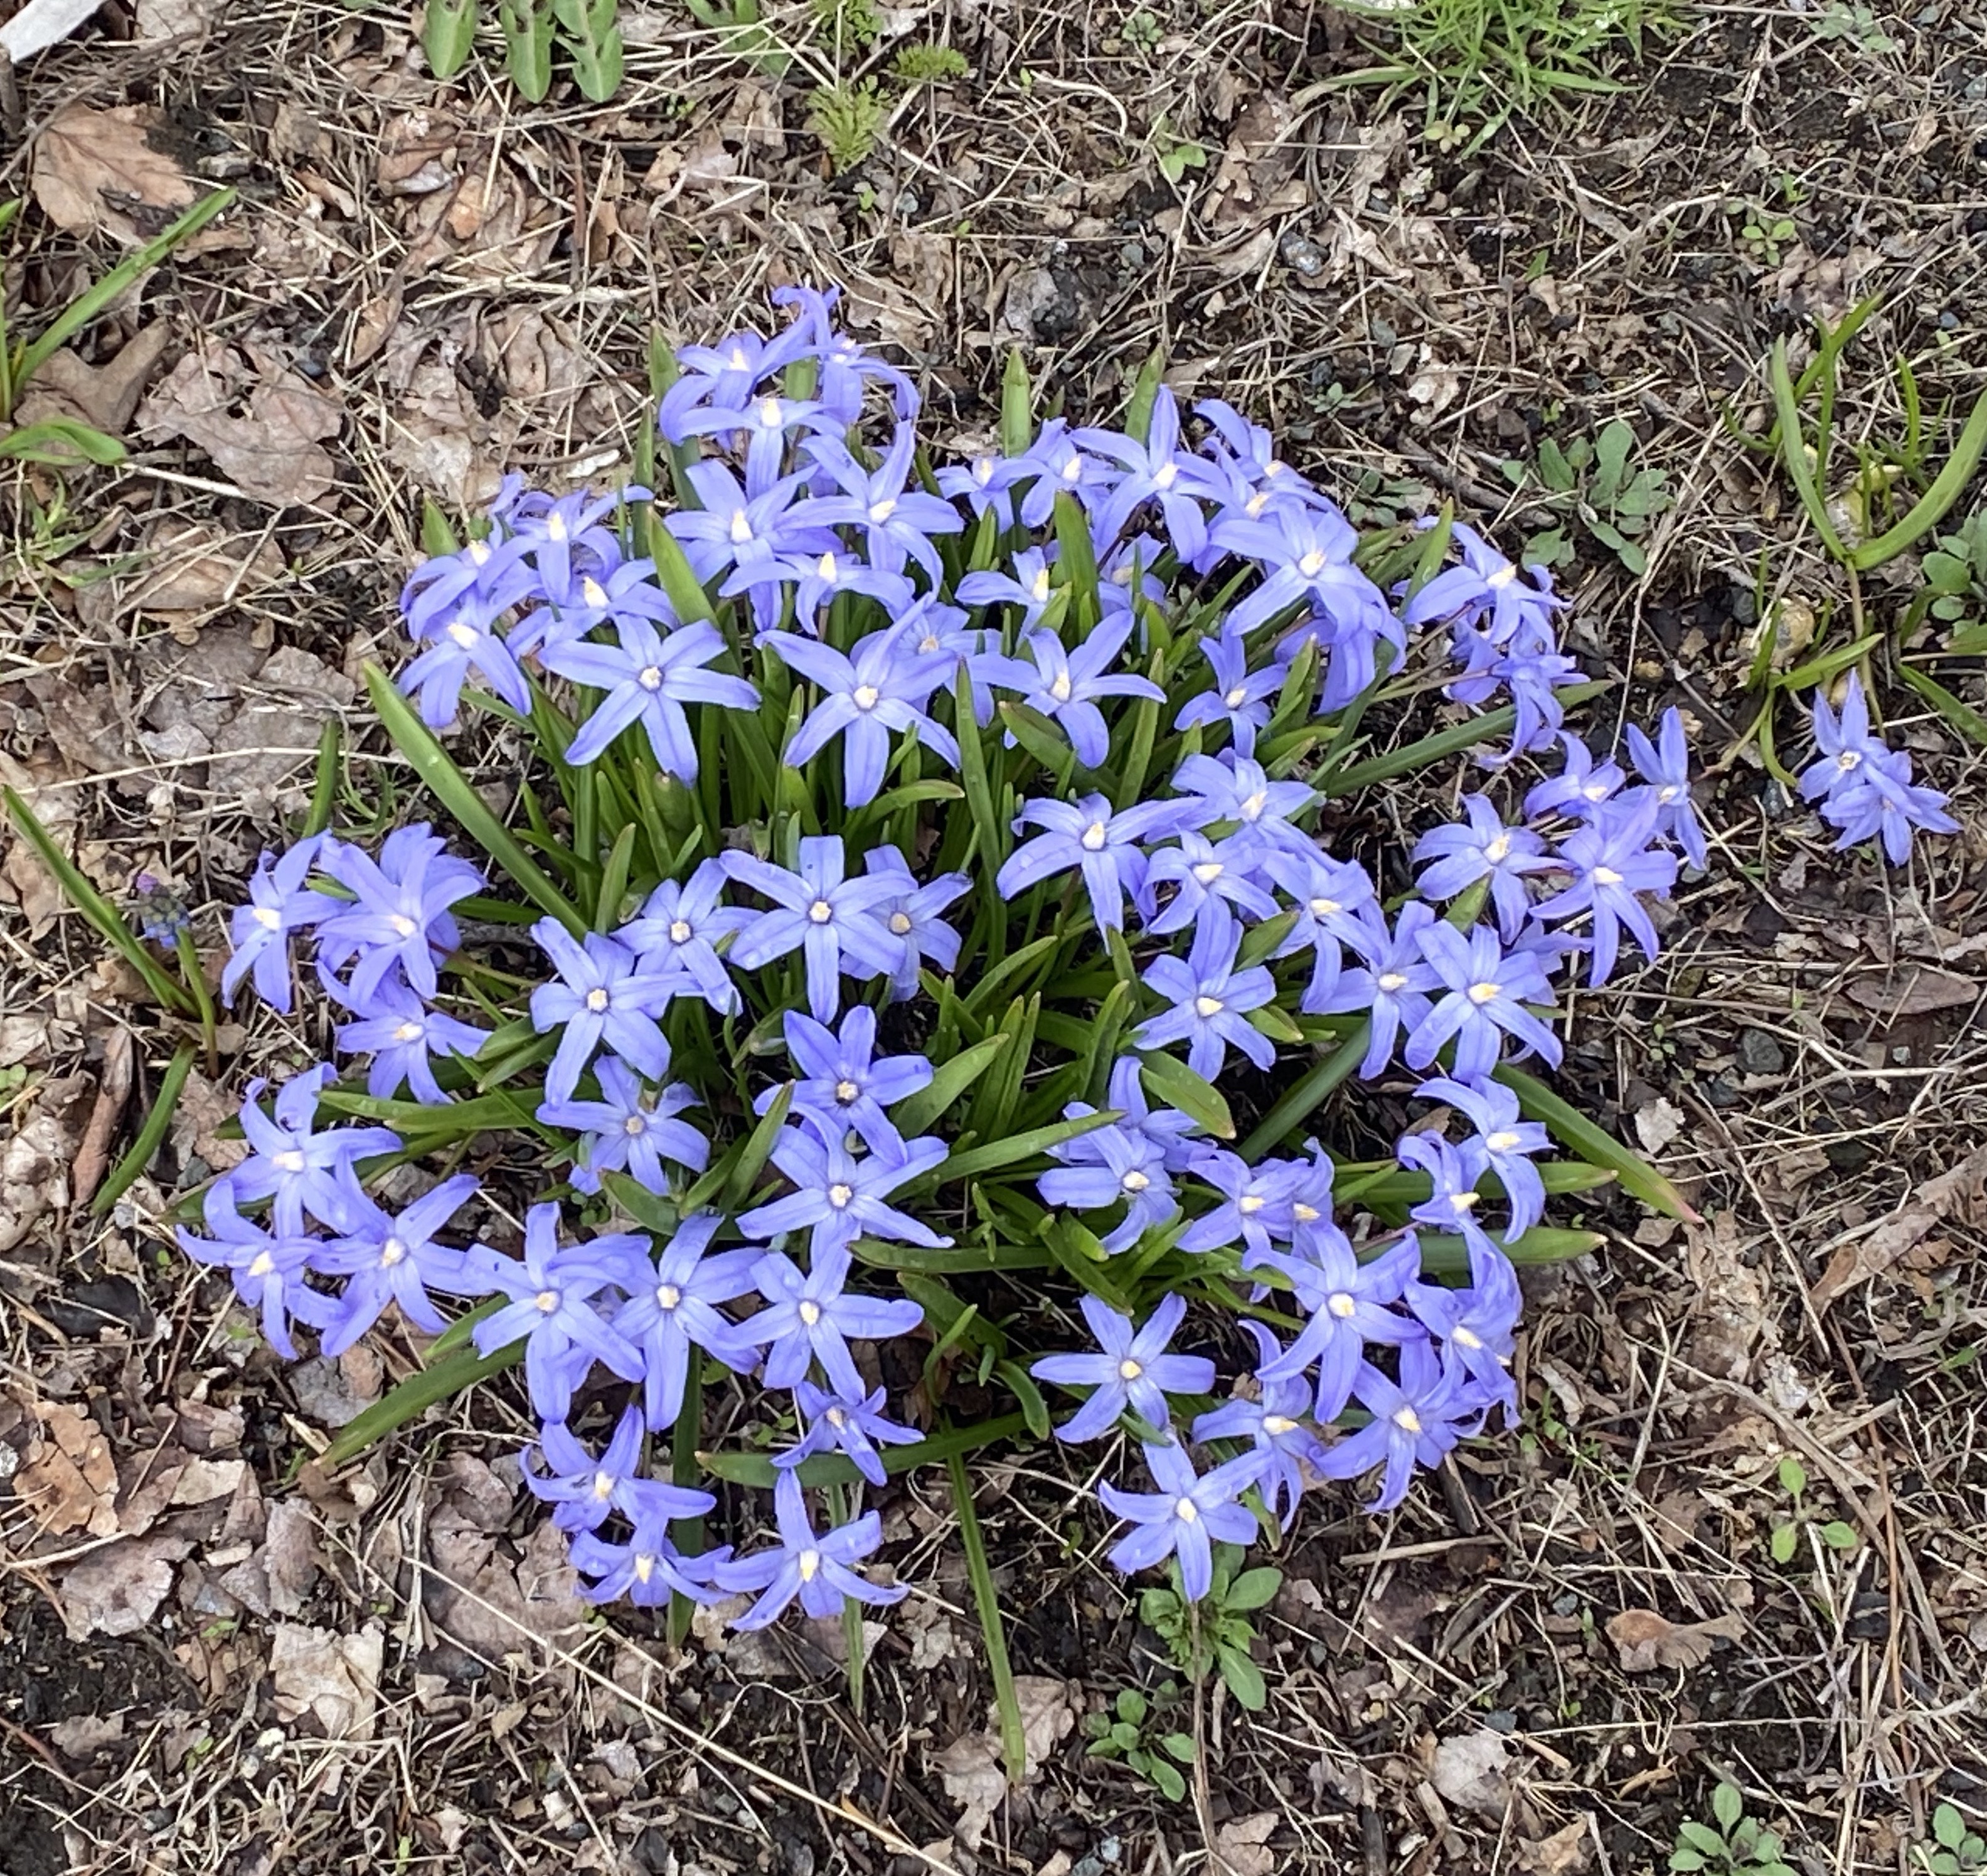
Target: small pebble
1759	1053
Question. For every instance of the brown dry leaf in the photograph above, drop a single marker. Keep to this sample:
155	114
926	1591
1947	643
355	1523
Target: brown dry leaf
193	569
273	451
1659	1124
98	170
104	397
1241	1847
334	1677
1732	1321
92	1153
171	19
1469	1772
1645	1641
1567	1852
117	1591
1917	991
86	1735
70	1480
203	1110
279	1578
34	1163
970	1769
1957	1195
497	1607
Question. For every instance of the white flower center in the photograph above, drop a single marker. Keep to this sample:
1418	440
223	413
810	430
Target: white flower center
288	1160
548	1300
809	1565
1278	1423
1135	1181
839	1195
1462	1201
1312	565
1129	1370
810	1312
1072	468
825	568
881	511
593	593
847	1091
404	926
667	1296
769	414
1502	578
1060	688
555	529
1407	1420
1391	981
466	636
1257	503
269	918
478	552
1094	837
645	1565
597	999
1236	697
1038	589
837	1417
649	677
1249	1204
634	1125
392	1252
263	1265
1481	994
1272	470
1324	908
821	912
1497	849
1342	1305
603	1486
1254	805
680	931
865	696
1304	1214
408	1032
1502	1142
1208	871
1606	875
738	361
1165	475
1185	1510
741	528
1466	1339
1207	1006
900	923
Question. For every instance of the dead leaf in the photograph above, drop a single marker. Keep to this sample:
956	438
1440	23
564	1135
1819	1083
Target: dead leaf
92	1153
486	1603
1241	1847
333	1678
98	170
117	1591
171	19
1567	1852
1732	1323
1645	1641
1469	1771
70	1480
41	24
1916	992
1959	1195
190	569
970	1771
273	450
104	397
1659	1124
86	1735
1047	1716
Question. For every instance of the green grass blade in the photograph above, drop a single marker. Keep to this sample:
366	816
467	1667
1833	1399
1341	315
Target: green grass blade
1930	509
755	1468
1962	715
452	787
1793	450
986	1601
1297	1107
996	1154
126	1172
97	911
1444	1253
1172	1083
1581	1137
443	1381
915	1114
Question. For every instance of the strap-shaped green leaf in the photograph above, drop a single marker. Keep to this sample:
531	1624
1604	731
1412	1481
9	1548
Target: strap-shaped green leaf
1586	1140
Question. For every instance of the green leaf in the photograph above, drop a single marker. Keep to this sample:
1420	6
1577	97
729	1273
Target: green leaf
1179	1746
437	770
1167	1778
1948	1827
1253	1589
1144	391
1612	451
96	910
1793	450
1727	1806
1444	1254
1926	513
1017	421
1443	744
1701	1837
448	36
593	42
1783	1542
1792	1475
986	1601
1125	1736
1244	1679
442	1381
1298	1103
61	442
1020	1383
1169	1081
916	1114
1077	560
1132	1707
1685	1859
1839	1536
759	1149
150	1136
1963	716
1585	1139
528	45
977	1161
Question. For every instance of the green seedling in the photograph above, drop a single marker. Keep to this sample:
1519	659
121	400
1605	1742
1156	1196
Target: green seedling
1176	154
744	35
587	32
1216	1635
1955	588
1785	1538
1858	24
847	118
1734	1845
928	64
1954	1849
1134	1732
846	23
1141	31
1592	483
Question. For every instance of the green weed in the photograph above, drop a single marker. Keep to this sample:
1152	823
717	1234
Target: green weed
847	118
1735	1846
929	65
1954	1850
1216	1636
1133	1733
1590	483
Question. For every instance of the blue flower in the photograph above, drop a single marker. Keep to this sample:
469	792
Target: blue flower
1864	788
400	911
987	482
1476	1326
602	993
1255	1202
1486	596
1336	905
278	904
820	1570
1209	999
766	419
1059	468
1131	1370
895	522
405	1037
819	578
1109	1163
1307	555
1455	1174
1611	862
1505	1140
842	367
1419	1419
1485	848
627	593
1581	786
753	538
1487	989
1390	989
1186	1517
385	1259
1349	1304
675	1310
855	1425
883	688
648	1569
627	1128
301	1170
584	1491
841	1087
1241	697
483	580
1154	471
679	929
835	923
1027	587
812	1318
726	375
1063	684
555	1294
267	1268
1104	845
1233	788
911	917
466	642
1664	765
839	1198
648	680
1206	873
1273	1423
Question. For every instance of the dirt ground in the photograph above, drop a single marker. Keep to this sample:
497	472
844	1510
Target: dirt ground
211	1666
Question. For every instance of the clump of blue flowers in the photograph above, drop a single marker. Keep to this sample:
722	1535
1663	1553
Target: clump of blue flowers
920	962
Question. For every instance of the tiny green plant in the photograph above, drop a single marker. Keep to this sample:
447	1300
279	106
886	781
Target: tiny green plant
1764	232
1734	1845
1592	483
1785	1539
1215	1634
1142	30
847	117
1955	592
847	23
586	33
743	33
928	64
1954	1849
1859	23
1176	154
1135	1733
